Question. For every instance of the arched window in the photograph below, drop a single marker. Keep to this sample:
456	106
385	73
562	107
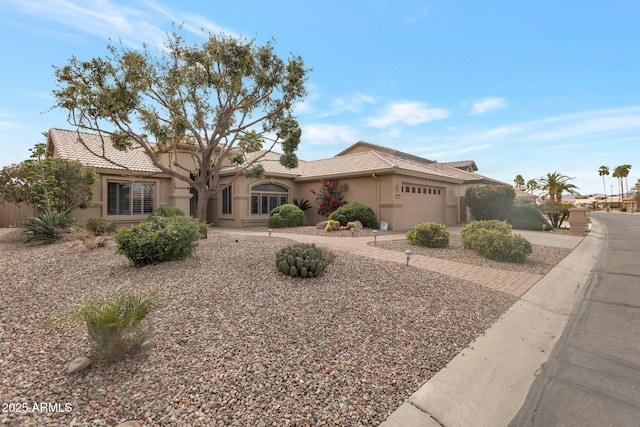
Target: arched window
265	197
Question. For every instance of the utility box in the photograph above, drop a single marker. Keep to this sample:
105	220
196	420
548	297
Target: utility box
577	221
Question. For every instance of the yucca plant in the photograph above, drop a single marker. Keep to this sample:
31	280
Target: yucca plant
116	322
303	204
48	226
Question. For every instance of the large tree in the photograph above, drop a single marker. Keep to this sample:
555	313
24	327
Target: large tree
621	172
52	183
519	181
554	183
217	100
490	201
602	171
532	185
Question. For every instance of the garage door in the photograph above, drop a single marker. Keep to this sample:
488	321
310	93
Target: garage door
421	203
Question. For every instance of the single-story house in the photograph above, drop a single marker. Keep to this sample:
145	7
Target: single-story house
402	189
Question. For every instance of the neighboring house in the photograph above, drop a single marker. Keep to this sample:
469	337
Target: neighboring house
402	189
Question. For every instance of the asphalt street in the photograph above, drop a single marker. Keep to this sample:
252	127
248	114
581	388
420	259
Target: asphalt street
592	377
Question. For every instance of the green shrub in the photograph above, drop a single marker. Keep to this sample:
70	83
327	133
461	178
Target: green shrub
159	240
489	201
496	245
99	226
467	233
355	211
115	321
527	217
429	234
49	226
287	215
166	212
301	260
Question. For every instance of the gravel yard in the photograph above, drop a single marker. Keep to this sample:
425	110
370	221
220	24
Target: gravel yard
541	261
237	343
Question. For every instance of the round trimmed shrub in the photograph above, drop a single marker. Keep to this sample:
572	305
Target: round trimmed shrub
527	217
429	234
162	239
166	212
468	232
498	246
355	211
287	215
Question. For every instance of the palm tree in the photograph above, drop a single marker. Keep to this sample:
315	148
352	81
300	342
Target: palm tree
532	185
618	172
555	184
625	174
519	181
602	171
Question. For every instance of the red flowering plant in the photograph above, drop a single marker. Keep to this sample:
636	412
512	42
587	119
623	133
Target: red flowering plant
330	197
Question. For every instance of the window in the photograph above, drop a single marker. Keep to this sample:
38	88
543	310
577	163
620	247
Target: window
265	197
130	198
226	200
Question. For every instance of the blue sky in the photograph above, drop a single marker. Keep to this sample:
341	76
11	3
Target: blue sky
525	87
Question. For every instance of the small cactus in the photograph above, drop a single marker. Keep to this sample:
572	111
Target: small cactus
301	260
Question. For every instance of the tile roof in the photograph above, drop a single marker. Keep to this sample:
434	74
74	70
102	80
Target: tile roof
364	162
463	164
271	164
66	143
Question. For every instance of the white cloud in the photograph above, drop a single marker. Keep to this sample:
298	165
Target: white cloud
318	134
487	104
351	104
145	22
407	112
449	153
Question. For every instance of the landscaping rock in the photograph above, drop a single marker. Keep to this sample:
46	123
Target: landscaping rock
322	225
78	364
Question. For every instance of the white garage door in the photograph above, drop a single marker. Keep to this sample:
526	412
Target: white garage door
421	203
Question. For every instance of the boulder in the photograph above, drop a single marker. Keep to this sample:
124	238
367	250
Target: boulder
78	364
322	225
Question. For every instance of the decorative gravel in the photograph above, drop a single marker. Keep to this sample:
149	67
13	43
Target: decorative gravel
541	261
237	343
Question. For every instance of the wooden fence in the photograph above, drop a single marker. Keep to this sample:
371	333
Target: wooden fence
14	214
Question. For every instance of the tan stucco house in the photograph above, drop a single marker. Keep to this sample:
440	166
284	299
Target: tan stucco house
402	189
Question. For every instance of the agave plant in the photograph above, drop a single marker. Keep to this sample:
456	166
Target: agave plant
116	322
303	204
48	226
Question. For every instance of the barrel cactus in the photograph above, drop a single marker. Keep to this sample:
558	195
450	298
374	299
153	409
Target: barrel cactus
301	260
